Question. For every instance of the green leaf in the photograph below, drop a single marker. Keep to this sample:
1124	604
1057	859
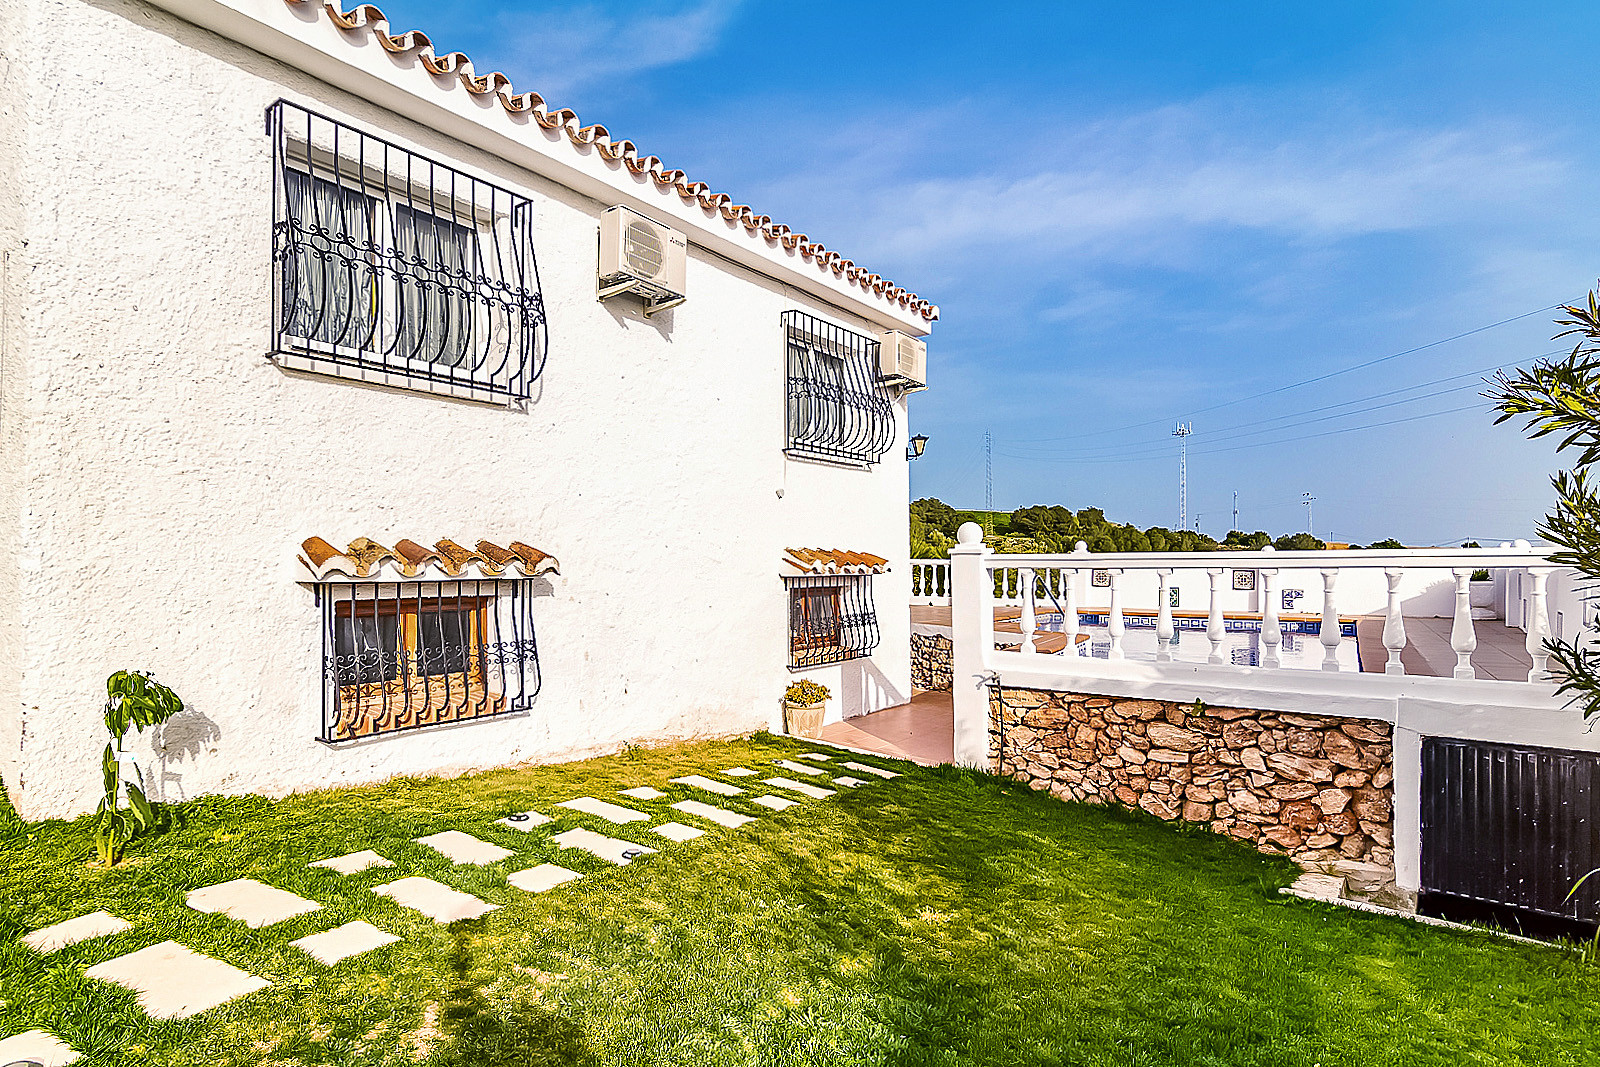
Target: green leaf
110	766
141	807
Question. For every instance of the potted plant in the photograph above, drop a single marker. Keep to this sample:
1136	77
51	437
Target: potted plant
803	705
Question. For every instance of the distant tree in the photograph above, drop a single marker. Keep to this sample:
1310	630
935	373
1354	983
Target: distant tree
1300	542
1160	538
1387	542
936	514
1562	397
1240	539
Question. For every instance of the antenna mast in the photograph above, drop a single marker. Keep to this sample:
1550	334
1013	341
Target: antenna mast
988	483
1306	499
1182	434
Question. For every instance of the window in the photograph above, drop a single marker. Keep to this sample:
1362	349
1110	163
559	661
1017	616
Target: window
837	408
410	655
394	268
831	619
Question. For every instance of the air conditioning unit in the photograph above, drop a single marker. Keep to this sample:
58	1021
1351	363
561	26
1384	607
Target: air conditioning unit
640	256
903	361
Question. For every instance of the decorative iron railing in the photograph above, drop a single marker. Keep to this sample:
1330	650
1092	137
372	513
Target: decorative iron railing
837	408
831	619
391	267
410	655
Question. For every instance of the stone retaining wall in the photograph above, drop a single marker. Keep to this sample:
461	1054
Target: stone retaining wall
932	662
1314	787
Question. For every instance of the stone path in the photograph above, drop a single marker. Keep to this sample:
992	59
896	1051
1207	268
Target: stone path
251	902
83	928
342	942
611	812
437	901
172	981
36	1046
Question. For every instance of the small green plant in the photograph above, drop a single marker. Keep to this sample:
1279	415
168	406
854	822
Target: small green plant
1198	707
806	693
1480	575
136	700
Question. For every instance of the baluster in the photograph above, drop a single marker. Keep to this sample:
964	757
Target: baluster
1216	626
1271	629
1538	626
1114	624
1029	621
1394	624
1328	632
1069	610
1463	635
1164	616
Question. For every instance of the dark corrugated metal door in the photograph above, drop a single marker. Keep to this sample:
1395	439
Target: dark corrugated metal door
1506	832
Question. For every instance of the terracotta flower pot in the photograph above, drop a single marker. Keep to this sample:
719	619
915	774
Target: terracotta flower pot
804	720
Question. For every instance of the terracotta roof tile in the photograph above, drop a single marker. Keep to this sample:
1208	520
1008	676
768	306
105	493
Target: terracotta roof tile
371	18
833	561
366	558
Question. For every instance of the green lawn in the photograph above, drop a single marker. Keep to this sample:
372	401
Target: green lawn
941	917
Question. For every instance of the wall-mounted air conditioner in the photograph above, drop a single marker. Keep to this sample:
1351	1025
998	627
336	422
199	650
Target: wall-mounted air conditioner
903	361
640	256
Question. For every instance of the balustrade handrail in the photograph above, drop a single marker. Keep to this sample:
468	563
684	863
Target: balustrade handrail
1410	558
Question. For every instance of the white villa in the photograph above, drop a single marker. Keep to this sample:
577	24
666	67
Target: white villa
403	423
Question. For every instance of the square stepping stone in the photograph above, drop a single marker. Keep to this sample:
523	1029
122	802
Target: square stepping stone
676	831
253	903
867	769
438	902
354	863
342	942
721	816
50	939
458	847
799	768
174	982
740	772
815	792
710	785
642	792
525	820
36	1046
607	848
849	782
775	803
815	755
543	877
610	812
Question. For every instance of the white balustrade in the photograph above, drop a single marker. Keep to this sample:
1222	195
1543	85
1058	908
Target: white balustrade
1216	625
1114	622
1271	629
1394	623
1538	625
1362	584
1463	635
1164	629
1028	621
1329	632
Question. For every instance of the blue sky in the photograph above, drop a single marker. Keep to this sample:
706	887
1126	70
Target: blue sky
1132	216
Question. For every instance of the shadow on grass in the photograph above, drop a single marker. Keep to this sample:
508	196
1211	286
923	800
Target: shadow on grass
477	1033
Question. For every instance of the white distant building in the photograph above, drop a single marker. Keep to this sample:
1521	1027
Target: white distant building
309	406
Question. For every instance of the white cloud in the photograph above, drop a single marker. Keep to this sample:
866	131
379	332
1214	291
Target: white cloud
584	46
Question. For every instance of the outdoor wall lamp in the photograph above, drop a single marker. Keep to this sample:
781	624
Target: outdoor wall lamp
915	446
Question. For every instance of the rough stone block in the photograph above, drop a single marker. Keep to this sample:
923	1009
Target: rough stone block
1333	801
1300	768
1292	791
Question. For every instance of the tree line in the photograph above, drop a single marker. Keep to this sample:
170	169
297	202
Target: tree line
1053	528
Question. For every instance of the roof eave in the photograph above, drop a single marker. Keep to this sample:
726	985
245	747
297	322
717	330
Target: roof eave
302	37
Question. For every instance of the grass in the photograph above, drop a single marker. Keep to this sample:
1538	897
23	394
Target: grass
942	917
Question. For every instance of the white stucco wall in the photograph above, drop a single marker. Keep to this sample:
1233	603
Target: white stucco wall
176	471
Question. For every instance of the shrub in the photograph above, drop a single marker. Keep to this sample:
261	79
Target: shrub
133	699
805	693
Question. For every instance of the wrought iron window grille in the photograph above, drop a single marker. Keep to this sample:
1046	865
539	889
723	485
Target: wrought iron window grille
831	619
405	656
394	268
837	408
